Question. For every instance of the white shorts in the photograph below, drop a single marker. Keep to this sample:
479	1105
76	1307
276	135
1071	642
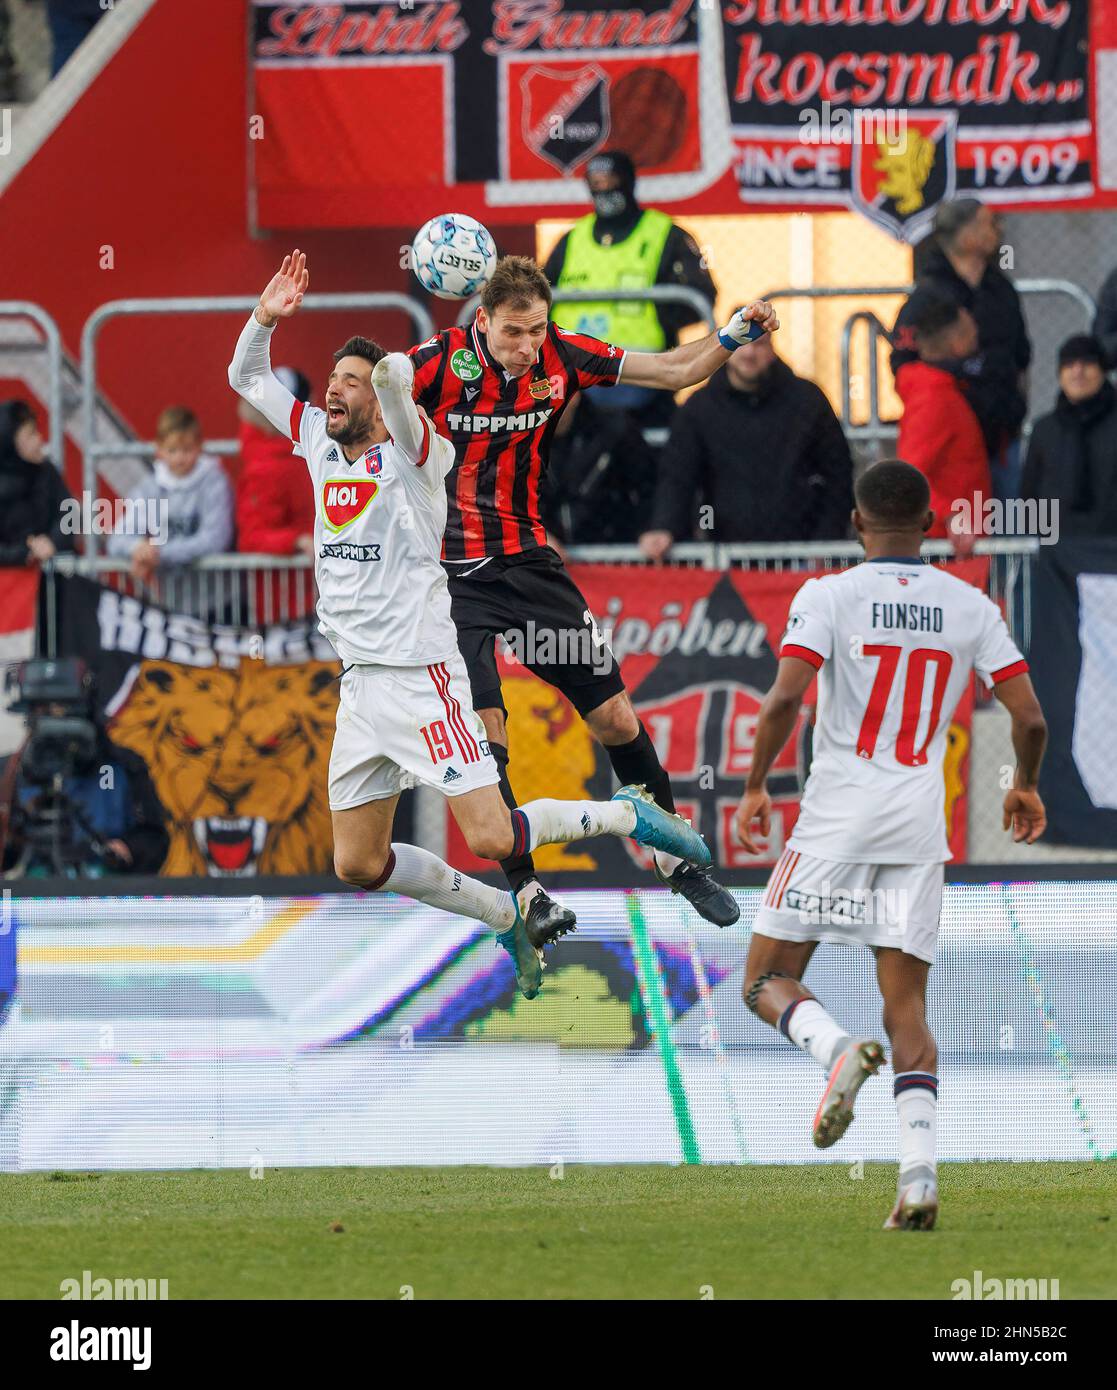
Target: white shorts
895	905
401	725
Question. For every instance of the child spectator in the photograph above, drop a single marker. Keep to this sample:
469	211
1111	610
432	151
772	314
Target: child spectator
195	501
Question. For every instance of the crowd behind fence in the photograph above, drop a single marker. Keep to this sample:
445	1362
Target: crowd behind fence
860	371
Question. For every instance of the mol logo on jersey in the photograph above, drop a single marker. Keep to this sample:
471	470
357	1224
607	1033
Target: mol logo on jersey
345	499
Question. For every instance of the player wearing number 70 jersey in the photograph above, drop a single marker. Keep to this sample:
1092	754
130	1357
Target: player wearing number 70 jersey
405	716
893	642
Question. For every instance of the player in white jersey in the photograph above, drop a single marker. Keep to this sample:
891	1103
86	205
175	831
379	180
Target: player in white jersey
893	642
405	715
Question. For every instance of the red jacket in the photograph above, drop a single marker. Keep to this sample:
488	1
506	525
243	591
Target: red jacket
275	500
940	435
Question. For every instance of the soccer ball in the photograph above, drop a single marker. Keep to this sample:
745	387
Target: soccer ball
453	256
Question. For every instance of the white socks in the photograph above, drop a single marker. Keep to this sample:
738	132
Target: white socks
561	822
810	1027
421	875
916	1095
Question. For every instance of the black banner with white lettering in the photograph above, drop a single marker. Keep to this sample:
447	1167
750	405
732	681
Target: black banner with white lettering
1074	667
886	106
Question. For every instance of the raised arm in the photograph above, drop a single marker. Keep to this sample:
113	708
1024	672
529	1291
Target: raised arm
250	373
690	363
391	380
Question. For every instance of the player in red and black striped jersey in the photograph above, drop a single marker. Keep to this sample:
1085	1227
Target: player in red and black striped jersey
496	389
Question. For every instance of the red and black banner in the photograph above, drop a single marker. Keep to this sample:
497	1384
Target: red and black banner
379	113
697	653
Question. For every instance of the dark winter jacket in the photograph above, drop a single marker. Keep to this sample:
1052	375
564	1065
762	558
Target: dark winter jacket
600	479
772	465
31	494
1004	349
1072	458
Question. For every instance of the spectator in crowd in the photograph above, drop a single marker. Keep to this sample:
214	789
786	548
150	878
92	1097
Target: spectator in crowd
939	430
1105	320
761	451
275	499
1072	453
598	488
31	491
71	21
195	496
963	264
621	245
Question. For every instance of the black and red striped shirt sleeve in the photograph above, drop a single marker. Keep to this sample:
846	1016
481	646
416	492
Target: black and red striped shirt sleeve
427	360
589	361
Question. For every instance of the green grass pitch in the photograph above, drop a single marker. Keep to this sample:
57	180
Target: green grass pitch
596	1232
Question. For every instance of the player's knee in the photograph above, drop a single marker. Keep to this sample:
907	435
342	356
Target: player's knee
614	722
491	841
361	868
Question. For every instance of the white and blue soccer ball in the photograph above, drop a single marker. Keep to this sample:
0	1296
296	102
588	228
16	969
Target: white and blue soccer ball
453	256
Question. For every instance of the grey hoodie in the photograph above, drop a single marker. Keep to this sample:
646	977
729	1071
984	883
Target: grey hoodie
198	510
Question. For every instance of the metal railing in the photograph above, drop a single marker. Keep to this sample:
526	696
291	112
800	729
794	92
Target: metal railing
255	590
875	430
52	346
124	308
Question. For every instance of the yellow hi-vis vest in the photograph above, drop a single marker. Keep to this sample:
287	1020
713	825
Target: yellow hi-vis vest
631	264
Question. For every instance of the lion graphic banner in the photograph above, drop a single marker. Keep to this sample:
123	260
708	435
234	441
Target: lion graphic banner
885	106
235	725
697	650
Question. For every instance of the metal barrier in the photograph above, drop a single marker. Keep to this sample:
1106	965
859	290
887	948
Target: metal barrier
253	590
241	590
875	430
657	294
122	308
52	346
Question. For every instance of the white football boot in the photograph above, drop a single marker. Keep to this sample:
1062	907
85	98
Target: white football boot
916	1209
853	1068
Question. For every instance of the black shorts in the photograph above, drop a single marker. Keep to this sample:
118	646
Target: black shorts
538	608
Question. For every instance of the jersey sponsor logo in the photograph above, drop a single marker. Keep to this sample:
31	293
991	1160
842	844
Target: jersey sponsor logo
494	424
373	461
464	364
345	499
342	550
540	389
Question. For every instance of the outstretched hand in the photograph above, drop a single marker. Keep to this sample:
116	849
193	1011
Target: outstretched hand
285	291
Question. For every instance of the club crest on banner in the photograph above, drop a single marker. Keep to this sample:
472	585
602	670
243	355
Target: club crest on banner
565	113
898	179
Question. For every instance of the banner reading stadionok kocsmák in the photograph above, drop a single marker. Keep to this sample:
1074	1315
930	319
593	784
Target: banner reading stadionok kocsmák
697	651
494	107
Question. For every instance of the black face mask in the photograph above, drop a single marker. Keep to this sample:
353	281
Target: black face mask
614	205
